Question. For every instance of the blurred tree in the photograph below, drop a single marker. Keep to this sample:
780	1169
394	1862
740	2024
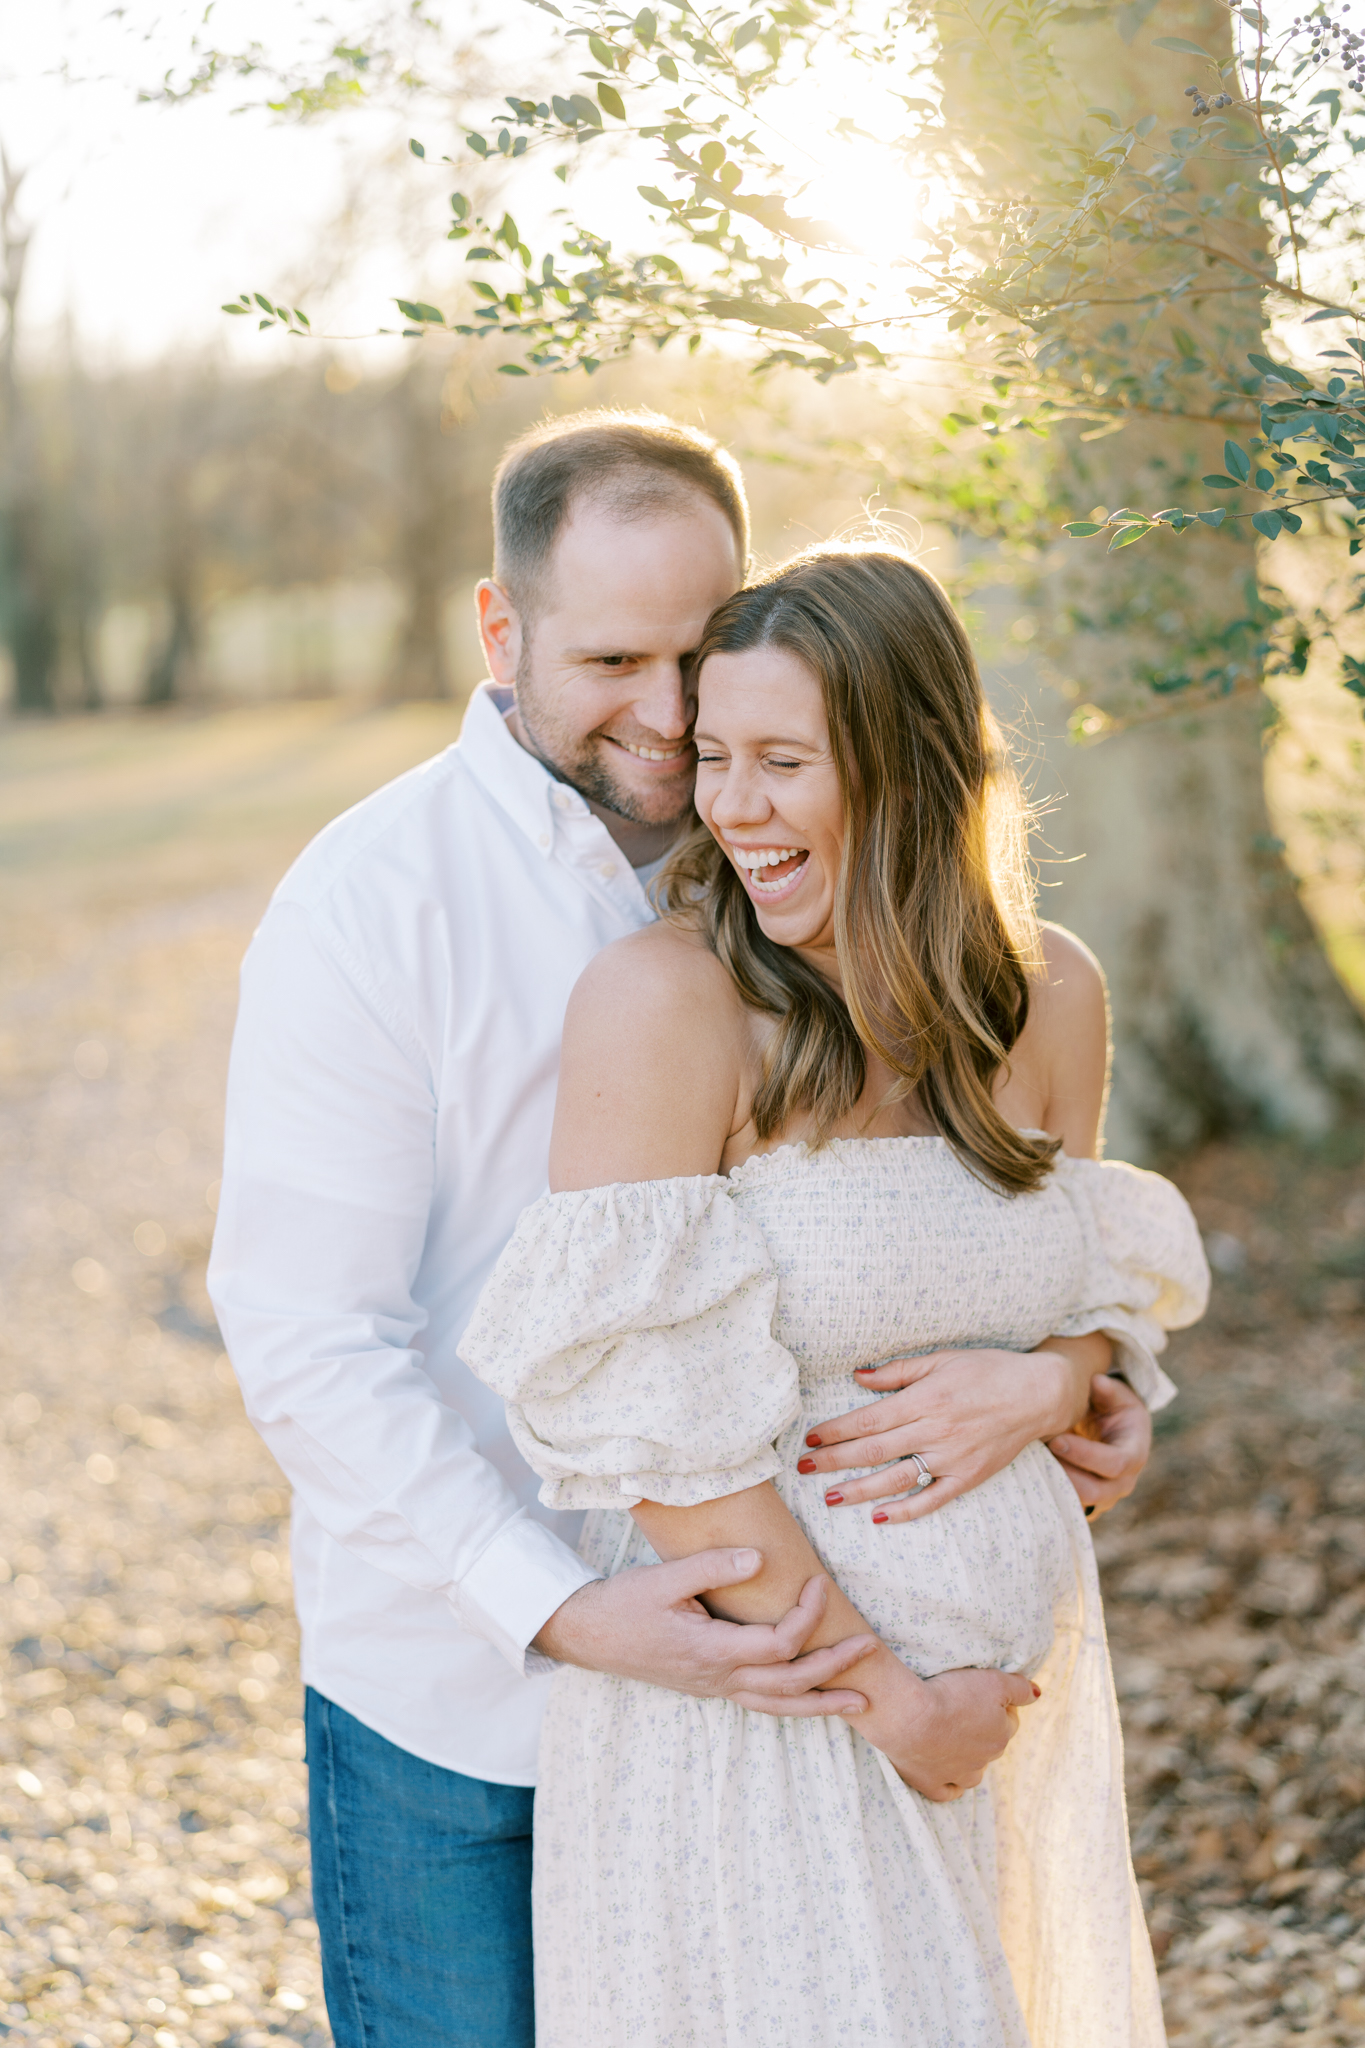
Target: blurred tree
27	621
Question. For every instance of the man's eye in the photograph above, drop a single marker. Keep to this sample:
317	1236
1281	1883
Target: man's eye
772	763
709	757
614	660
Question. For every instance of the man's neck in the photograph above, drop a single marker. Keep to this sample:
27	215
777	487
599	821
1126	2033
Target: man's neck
641	844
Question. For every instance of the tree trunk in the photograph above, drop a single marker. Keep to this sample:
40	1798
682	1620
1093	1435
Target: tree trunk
167	674
427	488
1226	1012
27	619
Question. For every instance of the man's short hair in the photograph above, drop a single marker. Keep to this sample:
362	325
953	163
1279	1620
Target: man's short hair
634	463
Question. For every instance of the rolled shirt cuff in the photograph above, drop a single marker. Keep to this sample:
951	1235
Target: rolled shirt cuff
515	1585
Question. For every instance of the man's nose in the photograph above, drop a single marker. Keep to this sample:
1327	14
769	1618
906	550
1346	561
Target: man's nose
666	705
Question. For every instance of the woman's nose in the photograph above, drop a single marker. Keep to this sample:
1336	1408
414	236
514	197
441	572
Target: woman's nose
739	800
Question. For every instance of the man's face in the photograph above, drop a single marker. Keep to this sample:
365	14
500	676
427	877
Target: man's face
599	669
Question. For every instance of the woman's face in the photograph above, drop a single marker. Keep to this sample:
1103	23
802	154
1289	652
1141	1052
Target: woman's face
768	790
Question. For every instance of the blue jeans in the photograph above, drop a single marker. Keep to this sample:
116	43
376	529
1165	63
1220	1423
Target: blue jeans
422	1891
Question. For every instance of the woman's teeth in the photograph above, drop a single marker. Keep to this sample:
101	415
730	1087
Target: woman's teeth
756	859
765	857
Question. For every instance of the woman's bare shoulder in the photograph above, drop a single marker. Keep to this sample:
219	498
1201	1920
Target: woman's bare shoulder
1070	995
652	1062
646	976
1061	1061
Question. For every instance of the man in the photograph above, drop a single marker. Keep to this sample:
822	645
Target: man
389	1110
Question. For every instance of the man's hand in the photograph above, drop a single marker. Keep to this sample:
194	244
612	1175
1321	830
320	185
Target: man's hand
967	1413
649	1623
1104	1455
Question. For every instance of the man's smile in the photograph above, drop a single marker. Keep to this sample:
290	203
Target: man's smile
673	753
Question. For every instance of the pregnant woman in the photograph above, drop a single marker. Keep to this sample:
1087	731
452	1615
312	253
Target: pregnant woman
838	1107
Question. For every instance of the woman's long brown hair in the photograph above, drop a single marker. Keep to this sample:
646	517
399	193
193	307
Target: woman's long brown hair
934	925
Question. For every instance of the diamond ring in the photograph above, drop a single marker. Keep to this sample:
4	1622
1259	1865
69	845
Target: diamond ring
926	1477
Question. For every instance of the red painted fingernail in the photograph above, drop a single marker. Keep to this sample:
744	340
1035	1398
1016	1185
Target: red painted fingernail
805	1464
813	1441
1037	1690
832	1500
881	1516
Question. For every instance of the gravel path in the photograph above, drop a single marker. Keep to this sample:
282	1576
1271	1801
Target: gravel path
153	1877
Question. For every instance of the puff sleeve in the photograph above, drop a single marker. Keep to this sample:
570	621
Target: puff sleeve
1144	1269
629	1330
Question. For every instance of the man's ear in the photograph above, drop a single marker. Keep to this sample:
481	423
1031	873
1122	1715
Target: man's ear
500	632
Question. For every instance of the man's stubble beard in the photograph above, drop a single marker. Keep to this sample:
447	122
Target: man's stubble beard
580	763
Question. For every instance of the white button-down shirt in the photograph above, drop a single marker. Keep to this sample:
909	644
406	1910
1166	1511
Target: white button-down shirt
389	1109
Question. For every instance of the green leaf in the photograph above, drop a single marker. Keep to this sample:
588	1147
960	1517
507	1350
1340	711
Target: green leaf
668	69
477	144
459	205
1283	371
414	309
1330	313
416	148
1268	523
645	25
1179	43
1222	483
236	309
653	195
1145	125
586	110
1126	535
1080	529
1214	518
512	370
1236	461
612	101
1291	520
603	52
746	34
564	111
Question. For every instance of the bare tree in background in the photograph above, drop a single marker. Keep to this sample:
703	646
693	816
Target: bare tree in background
27	623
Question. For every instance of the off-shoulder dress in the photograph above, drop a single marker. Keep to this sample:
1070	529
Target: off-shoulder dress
707	1877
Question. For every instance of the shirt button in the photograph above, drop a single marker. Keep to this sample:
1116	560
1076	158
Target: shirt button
561	799
607	871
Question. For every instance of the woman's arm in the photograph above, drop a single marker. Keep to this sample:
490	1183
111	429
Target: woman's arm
940	1733
650	1084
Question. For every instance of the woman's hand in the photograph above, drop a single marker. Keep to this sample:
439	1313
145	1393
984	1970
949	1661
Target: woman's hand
968	1414
940	1733
1104	1454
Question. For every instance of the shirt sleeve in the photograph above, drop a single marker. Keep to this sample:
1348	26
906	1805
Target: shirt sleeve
629	1330
1145	1272
327	1188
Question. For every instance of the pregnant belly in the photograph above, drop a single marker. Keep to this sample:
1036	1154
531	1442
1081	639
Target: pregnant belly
980	1581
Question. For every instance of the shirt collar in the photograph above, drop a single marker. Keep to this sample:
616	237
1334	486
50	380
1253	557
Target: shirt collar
519	783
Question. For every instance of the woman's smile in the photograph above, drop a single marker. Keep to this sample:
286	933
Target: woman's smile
781	869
